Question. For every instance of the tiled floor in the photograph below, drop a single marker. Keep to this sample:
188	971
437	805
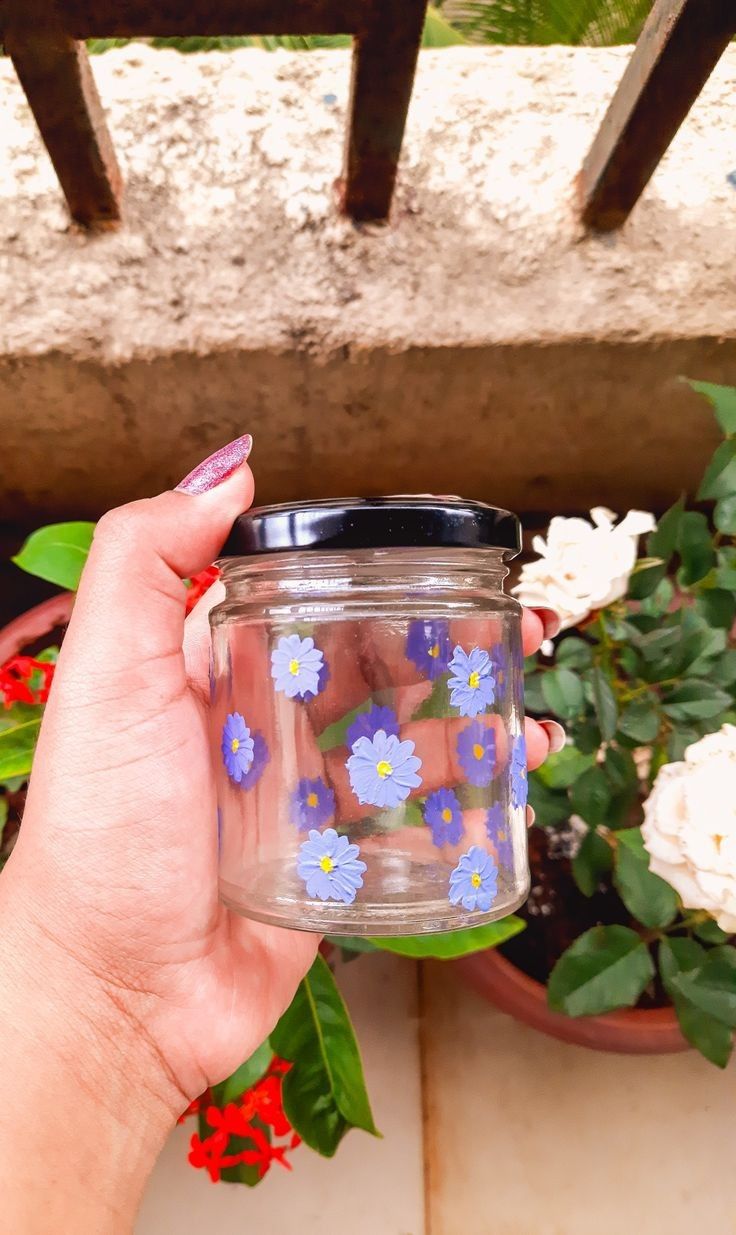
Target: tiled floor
524	1135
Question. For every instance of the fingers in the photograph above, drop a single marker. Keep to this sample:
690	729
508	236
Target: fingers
131	599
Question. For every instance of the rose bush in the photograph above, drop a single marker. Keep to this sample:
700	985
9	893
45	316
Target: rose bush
583	566
689	827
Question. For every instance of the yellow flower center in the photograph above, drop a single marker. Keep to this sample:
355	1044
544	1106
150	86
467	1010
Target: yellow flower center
327	864
447	815
312	799
475	879
235	744
434	651
474	680
294	667
478	750
384	769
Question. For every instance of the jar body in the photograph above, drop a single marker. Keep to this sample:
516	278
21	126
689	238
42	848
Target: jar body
367	739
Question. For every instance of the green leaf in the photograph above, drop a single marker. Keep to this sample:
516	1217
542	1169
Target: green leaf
647	897
621	770
712	987
663	540
717	606
695	546
57	553
533	698
246	1075
334	734
708	1035
438	32
563	692
604	702
561	770
3	814
573	653
549	806
710	932
437	705
720	475
18	737
452	944
724	515
723	670
722	399
591	863
645	579
324	1093
351	943
695	700
590	796
607	967
640	720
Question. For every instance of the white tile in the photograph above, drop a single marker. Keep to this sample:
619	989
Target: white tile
529	1136
371	1187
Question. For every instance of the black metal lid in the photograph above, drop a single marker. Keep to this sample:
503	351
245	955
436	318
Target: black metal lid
374	523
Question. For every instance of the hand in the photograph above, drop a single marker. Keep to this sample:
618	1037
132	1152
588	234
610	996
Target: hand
117	947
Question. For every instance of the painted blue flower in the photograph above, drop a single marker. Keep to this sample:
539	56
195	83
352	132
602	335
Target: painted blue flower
443	814
329	866
518	771
472	685
499	832
295	666
476	749
312	804
428	645
323	677
367	724
236	747
383	770
501	673
261	756
473	881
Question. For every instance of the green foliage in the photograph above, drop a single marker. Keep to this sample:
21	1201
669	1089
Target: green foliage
707	1034
19	727
452	944
647	897
593	22
592	863
324	1092
608	967
563	692
57	553
245	1076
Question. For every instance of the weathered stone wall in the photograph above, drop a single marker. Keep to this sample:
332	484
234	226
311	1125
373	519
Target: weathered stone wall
479	344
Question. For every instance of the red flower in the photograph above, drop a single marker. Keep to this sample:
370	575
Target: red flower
195	1107
15	677
265	1101
199	584
208	1153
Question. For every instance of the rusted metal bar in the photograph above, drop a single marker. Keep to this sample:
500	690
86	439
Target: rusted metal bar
181	18
676	53
384	63
55	74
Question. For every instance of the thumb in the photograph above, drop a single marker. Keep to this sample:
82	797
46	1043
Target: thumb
130	606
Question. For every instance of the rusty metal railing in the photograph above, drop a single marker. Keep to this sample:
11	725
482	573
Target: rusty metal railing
676	52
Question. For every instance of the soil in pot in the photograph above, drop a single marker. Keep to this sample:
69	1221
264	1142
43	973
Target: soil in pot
557	912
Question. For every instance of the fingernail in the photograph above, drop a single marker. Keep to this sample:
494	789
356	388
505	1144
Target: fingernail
217	467
556	735
550	622
531	815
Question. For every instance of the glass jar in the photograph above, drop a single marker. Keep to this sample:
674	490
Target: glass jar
367	717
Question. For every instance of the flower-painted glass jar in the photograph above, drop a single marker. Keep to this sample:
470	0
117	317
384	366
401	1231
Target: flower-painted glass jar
367	717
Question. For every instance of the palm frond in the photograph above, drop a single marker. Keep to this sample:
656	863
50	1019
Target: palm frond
598	23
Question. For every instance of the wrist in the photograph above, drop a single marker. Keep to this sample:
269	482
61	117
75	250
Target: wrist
87	1103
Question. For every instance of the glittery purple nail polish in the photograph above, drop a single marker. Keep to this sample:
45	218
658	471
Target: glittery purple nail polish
217	467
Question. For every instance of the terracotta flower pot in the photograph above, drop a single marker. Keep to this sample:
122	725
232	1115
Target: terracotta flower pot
34	624
631	1031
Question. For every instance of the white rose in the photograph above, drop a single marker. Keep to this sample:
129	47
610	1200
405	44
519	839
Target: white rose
689	826
583	566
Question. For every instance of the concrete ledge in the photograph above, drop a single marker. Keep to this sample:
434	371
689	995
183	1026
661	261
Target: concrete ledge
479	344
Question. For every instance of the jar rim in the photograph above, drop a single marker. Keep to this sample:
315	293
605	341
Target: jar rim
400	522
